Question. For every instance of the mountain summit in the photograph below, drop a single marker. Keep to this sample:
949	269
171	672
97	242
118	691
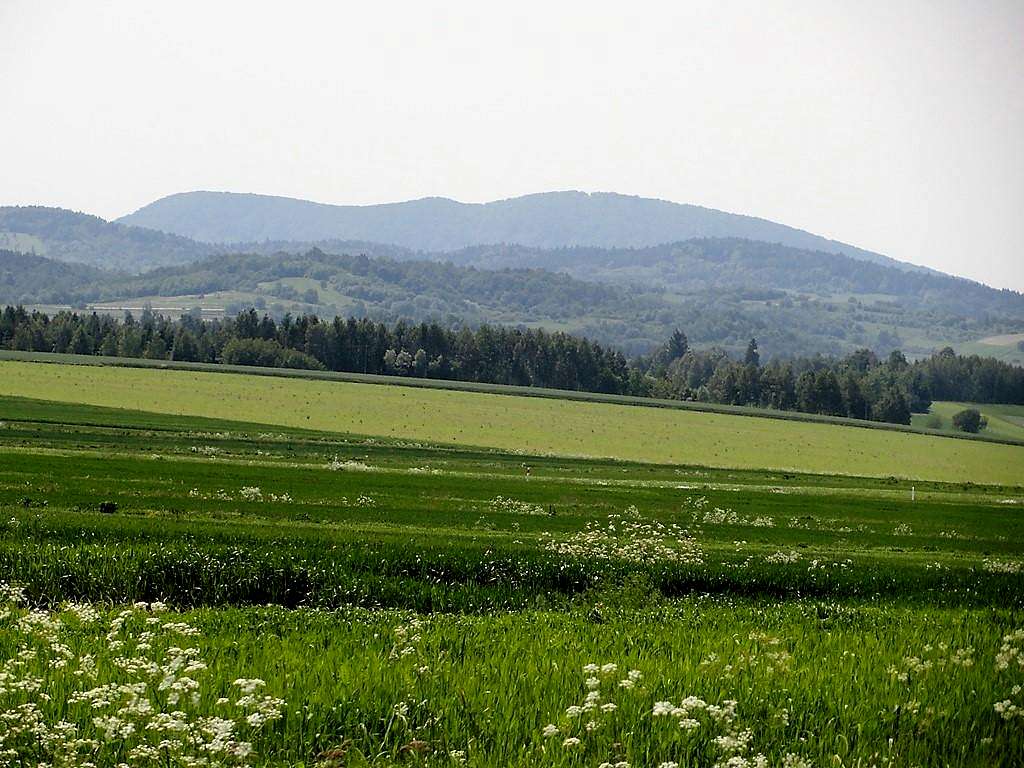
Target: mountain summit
546	220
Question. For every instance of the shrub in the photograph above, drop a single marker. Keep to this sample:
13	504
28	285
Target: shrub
969	420
266	353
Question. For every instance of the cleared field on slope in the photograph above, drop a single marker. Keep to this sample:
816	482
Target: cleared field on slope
521	424
1004	347
1004	421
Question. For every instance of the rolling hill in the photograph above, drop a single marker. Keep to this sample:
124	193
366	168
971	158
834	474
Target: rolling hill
547	220
732	263
64	235
721	290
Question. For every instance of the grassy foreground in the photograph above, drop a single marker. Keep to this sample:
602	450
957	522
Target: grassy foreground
697	683
520	424
195	591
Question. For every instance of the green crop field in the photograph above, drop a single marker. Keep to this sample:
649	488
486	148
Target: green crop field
221	569
528	425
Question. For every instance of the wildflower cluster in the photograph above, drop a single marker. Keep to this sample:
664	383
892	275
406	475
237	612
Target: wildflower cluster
1010	659
136	703
762	651
596	725
348	465
832	525
252	493
822	565
723	515
933	657
598	709
205	450
783	558
362	500
629	538
407	636
730	740
1002	566
515	507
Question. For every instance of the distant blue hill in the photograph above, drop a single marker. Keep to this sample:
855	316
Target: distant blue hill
547	220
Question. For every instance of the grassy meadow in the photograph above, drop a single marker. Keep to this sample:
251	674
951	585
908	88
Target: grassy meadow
1004	421
206	576
521	424
1004	347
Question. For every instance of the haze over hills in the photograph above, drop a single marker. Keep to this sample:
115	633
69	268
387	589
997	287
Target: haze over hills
69	236
545	220
722	290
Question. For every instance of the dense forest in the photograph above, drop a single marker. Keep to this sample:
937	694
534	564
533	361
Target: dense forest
860	385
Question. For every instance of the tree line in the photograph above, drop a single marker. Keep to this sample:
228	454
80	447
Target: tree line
860	385
490	354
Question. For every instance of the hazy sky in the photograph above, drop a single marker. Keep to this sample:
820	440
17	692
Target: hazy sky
897	127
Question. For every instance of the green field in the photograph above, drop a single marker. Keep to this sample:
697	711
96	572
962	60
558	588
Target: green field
533	426
207	577
1004	347
1004	421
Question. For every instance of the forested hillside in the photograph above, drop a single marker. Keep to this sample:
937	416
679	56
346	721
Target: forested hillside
27	279
730	263
77	237
634	316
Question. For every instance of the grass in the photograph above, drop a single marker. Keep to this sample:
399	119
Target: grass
1004	347
529	425
481	689
466	386
1004	421
398	602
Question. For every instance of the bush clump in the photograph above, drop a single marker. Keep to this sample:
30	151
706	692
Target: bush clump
969	420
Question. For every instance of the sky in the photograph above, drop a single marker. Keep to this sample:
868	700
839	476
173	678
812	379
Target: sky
896	127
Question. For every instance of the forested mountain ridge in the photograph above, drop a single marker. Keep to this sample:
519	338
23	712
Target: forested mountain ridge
545	220
730	263
64	235
633	317
723	290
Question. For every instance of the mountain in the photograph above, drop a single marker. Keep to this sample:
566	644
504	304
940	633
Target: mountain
65	235
547	220
720	290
